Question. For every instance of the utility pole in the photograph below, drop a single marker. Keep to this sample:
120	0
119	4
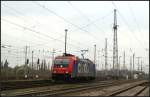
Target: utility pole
38	64
124	67
95	58
65	40
26	48
105	56
115	44
133	61
99	58
141	65
130	66
32	60
138	62
119	66
17	57
53	57
102	62
147	50
105	53
119	63
32	65
95	53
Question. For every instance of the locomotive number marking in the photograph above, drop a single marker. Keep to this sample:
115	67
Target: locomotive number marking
83	68
79	68
86	68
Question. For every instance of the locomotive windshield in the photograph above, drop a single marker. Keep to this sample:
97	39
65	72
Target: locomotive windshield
61	62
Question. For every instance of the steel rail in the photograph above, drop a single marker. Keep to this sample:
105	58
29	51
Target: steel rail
125	89
73	89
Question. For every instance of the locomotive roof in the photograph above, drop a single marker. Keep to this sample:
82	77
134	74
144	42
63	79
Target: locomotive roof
86	60
65	56
73	56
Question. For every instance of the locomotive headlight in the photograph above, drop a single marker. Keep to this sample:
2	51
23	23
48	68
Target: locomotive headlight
54	71
66	71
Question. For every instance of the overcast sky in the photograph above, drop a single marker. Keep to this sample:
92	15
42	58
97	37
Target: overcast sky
41	24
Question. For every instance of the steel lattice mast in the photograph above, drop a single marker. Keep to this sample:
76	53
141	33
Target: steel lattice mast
105	53
115	44
124	67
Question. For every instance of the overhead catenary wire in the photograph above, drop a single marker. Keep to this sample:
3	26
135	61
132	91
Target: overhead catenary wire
98	19
89	20
20	13
11	46
34	20
37	48
22	40
134	35
37	36
15	48
134	18
11	51
34	43
83	15
32	30
50	11
16	16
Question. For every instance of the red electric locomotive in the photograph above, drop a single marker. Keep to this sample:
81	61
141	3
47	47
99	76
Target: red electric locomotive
69	67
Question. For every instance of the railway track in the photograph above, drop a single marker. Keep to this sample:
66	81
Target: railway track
72	88
28	89
21	84
10	85
89	89
133	90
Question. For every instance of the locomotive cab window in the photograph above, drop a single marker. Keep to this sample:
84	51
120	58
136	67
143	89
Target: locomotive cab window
61	62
